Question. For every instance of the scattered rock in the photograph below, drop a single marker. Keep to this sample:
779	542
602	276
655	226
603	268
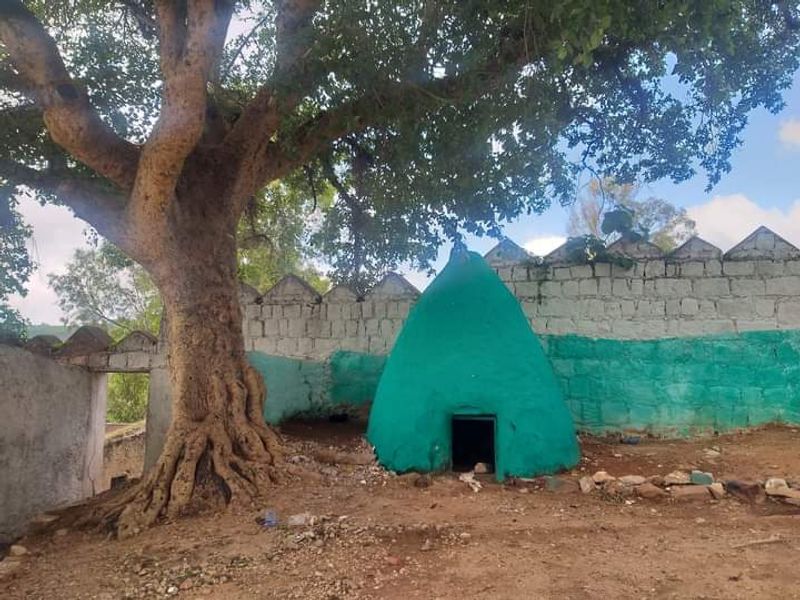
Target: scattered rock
631	440
300	520
394	561
17	550
677	478
632	480
748	491
656	480
61	532
481	468
701	478
602	477
690	492
717	490
186	584
44	519
469	479
172	590
427	545
650	491
9	567
711	453
778	487
586	484
422	481
559	484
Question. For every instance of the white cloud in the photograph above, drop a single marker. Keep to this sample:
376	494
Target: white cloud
56	235
545	244
789	133
725	220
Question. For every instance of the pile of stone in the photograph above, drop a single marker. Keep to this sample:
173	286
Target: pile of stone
693	485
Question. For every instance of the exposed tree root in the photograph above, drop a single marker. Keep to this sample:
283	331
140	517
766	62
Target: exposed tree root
230	455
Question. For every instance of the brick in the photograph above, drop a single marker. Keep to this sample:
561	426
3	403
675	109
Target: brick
738	267
788	313
692	269
587	287
570	288
748	287
784	286
712	286
765	307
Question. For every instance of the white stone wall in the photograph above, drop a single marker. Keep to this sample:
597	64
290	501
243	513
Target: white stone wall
292	320
695	290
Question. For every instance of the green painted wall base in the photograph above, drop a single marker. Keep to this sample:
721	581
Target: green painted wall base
679	386
316	389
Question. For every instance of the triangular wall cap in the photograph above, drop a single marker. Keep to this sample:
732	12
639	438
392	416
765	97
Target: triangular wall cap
248	294
339	294
393	286
43	344
763	243
559	256
291	289
695	248
507	252
638	249
136	341
86	340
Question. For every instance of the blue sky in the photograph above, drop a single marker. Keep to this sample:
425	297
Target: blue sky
763	187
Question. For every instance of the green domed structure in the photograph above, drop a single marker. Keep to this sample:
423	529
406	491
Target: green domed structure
467	381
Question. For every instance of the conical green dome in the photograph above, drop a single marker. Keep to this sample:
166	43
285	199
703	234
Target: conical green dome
467	349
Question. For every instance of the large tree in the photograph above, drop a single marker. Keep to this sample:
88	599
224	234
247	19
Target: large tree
469	113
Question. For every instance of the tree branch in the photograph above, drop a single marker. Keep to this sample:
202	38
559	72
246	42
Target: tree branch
281	95
89	200
191	34
72	122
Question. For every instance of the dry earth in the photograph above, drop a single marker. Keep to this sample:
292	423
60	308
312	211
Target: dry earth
376	535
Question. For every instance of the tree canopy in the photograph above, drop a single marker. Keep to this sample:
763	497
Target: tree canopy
438	117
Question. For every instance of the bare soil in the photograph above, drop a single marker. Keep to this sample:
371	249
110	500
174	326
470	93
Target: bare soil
378	535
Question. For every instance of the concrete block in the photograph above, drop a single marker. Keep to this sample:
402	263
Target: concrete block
673	307
636	287
738	267
561	273
706	308
519	273
655	268
592	328
323	348
404	307
255	328
387	328
621	271
338	329
765	307
379	308
252	311
530	308
367	309
539	324
748	287
580	271
672	270
627	329
602	270
117	362
613	310
711	286
592	308
555	307
570	288
791	267
713	268
620	287
377	345
587	287
505	273
372	326
604	286
560	326
138	361
692	269
297	327
333	311
550	288
773	268
305	347
788	313
351	328
756	325
736	307
689	307
628	308
673	287
287	346
784	286
528	289
266	345
292	311
266	311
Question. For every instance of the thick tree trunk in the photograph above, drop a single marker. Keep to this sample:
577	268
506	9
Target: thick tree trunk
218	447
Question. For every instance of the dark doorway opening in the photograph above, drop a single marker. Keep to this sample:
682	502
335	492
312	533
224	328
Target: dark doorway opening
473	442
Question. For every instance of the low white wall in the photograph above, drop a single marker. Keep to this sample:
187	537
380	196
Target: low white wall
52	420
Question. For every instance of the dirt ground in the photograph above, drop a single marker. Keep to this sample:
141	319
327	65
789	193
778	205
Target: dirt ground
377	535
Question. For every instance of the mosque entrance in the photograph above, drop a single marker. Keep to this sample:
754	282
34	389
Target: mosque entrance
472	442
